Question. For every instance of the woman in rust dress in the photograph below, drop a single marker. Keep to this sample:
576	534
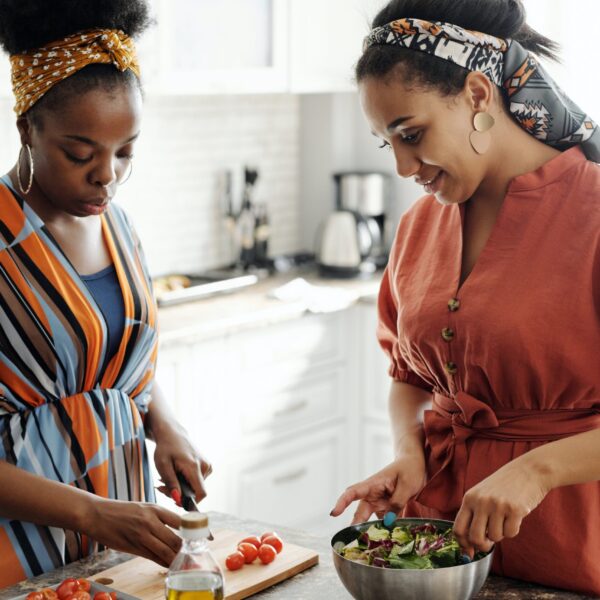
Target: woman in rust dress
490	307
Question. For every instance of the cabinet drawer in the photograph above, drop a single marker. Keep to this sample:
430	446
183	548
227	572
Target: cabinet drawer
308	402
313	338
301	482
376	382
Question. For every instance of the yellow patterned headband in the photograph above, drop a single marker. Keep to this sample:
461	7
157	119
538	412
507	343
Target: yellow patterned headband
35	72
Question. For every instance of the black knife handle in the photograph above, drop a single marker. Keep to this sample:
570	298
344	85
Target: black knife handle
187	495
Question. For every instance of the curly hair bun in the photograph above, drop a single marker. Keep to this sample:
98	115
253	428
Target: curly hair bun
29	24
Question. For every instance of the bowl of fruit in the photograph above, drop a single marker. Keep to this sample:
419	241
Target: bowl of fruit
412	559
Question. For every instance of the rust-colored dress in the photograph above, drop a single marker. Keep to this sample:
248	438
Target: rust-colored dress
512	356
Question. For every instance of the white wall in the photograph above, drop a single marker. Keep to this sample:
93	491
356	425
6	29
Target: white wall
573	24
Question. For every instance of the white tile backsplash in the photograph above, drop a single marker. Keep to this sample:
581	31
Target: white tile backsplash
185	143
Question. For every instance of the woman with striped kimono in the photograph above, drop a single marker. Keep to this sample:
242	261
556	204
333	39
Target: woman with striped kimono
78	331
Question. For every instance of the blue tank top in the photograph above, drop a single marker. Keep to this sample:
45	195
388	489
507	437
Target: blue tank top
104	287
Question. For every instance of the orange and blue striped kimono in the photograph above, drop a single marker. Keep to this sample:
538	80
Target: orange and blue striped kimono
67	413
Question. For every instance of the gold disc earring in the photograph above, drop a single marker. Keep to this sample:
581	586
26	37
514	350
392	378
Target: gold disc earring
480	138
30	182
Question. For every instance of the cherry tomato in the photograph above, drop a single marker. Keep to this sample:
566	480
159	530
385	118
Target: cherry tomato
252	540
273	540
266	554
250	551
266	535
105	596
79	595
67	588
235	561
45	594
83	585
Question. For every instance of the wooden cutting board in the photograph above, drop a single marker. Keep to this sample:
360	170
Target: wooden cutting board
146	580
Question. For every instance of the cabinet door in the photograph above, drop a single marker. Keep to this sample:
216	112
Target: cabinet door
376	382
224	46
325	43
378	448
295	483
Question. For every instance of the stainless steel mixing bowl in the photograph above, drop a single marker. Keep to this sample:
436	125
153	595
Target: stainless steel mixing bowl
375	583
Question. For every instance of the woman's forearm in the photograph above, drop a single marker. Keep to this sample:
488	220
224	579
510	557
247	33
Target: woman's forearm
406	405
572	460
28	497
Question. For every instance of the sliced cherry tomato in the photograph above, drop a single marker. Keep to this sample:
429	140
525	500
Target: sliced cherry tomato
274	541
67	588
266	535
252	540
250	551
39	595
105	596
79	595
83	585
266	554
235	561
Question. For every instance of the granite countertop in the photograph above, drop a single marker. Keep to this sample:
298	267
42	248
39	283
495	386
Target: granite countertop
318	583
253	307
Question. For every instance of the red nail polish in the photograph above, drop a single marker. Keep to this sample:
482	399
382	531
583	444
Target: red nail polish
176	495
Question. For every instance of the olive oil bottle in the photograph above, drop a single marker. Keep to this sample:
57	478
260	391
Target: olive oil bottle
194	574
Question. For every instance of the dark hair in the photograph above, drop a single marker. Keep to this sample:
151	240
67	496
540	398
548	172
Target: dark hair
29	24
500	18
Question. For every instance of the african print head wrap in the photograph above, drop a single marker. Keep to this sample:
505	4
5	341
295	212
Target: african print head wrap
533	98
35	72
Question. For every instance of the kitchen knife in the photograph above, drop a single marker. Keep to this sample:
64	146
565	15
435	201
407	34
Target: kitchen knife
187	498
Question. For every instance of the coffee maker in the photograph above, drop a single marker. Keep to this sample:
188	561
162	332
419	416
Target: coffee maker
352	240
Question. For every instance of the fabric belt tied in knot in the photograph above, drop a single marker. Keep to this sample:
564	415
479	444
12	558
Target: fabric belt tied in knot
452	421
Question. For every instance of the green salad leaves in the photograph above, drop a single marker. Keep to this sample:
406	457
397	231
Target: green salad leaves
423	546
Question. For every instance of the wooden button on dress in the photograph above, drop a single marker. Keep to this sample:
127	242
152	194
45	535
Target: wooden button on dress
447	334
451	368
453	304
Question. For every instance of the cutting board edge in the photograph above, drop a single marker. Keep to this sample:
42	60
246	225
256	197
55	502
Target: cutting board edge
276	579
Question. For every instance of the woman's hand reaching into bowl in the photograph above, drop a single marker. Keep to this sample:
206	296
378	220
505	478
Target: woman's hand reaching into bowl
385	491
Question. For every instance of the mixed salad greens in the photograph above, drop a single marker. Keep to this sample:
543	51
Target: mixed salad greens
423	546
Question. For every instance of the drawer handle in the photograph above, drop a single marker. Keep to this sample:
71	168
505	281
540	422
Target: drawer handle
290	477
292	408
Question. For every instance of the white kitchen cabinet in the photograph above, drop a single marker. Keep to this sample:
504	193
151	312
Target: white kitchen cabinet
378	448
294	482
375	381
305	401
290	414
245	397
254	46
208	47
325	43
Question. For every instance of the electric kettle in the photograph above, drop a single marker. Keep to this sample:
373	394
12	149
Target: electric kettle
345	241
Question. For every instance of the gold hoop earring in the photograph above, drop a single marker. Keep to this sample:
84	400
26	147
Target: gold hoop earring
128	174
480	138
30	183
